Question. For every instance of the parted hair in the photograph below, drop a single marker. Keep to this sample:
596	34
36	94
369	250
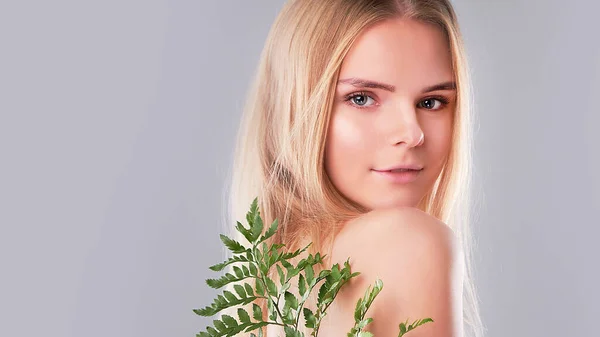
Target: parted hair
280	147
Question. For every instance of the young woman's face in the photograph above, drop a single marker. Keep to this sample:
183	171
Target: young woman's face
375	128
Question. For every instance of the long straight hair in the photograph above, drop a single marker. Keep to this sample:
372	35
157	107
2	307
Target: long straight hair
279	154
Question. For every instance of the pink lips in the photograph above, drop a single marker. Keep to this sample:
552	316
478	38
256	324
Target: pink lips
403	166
400	177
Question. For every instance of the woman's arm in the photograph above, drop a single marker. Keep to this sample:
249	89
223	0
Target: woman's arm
417	258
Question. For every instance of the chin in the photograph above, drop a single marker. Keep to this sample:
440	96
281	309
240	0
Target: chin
396	203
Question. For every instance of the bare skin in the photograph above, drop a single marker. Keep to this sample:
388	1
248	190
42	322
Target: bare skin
380	129
403	122
417	258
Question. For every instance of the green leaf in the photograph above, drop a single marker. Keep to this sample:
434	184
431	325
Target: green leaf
297	252
291	300
230	296
362	305
324	273
257	226
291	332
281	275
212	331
271	257
238	272
229	321
285	287
291	271
253	270
233	245
309	318
248	289
256	312
404	329
270	232
271	288
240	290
259	256
260	289
301	285
219	325
272	310
264	269
309	272
365	334
224	280
335	271
264	248
322	293
335	286
243	315
234	259
245	232
359	309
284	312
256	326
221	303
376	289
363	323
277	246
253	211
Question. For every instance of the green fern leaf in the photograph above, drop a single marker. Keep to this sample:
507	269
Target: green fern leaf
232	245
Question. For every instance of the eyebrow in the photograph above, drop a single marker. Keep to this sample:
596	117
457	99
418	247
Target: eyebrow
362	83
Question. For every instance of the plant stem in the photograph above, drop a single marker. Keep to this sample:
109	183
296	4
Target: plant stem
325	309
276	304
275	323
262	279
302	303
300	309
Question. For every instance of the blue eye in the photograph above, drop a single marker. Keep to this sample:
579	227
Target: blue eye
359	100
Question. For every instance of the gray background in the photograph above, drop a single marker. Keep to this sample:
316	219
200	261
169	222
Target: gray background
116	131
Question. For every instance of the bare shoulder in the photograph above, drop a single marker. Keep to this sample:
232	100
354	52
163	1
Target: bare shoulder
395	225
417	258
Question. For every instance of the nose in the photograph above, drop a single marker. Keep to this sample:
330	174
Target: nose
403	126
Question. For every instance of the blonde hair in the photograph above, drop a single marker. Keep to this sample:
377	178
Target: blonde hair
279	155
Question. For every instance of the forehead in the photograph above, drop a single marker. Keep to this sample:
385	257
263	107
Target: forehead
406	53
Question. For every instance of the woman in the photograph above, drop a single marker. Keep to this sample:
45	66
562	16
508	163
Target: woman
356	137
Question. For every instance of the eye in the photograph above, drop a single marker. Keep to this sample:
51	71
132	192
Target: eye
434	103
360	100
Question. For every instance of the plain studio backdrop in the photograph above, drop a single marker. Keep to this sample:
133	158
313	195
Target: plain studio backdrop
117	121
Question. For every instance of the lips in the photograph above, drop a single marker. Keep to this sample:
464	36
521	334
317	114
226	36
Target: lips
401	170
403	166
399	175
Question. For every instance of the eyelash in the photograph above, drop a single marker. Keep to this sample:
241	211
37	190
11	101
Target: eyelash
347	99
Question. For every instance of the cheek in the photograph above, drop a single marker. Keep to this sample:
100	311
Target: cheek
438	139
347	145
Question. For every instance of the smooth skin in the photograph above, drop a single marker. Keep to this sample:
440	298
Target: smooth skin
414	254
377	129
417	258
